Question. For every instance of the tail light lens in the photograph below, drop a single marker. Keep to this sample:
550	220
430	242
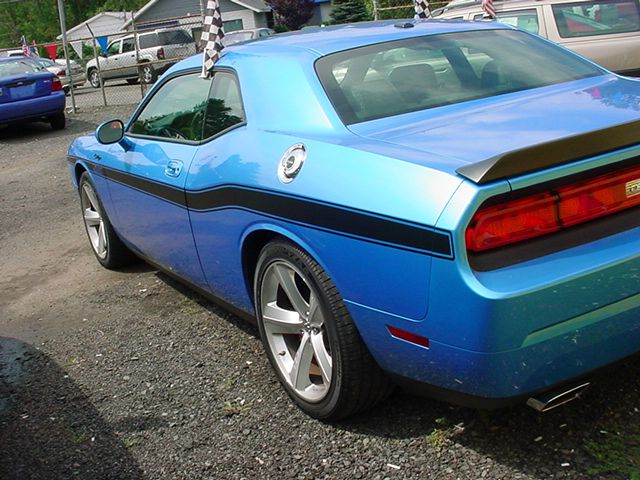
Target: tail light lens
160	54
56	84
62	73
513	221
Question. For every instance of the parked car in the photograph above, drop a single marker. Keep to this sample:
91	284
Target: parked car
158	51
28	93
416	202
246	35
59	69
605	31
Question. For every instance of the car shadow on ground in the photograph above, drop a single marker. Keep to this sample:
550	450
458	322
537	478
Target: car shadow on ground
48	426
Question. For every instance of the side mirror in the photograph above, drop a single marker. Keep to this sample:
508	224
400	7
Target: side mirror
110	132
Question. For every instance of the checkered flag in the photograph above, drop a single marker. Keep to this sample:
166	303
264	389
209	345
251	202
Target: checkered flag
422	9
212	35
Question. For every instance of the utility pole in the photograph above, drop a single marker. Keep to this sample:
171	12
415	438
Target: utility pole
65	46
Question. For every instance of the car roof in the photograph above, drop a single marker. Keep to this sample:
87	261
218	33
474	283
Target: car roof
326	40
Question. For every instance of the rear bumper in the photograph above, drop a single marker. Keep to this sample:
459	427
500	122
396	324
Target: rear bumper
33	108
549	357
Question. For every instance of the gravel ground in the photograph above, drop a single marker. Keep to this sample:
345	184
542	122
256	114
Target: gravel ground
130	375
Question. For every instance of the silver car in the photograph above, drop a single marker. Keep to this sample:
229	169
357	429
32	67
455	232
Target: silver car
157	51
605	31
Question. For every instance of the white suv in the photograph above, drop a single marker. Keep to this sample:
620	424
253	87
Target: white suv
605	31
157	51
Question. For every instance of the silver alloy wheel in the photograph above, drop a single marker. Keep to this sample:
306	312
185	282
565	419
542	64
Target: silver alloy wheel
93	221
147	74
94	79
294	328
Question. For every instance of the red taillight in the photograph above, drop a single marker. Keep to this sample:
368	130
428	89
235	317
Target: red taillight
61	73
56	84
513	221
161	54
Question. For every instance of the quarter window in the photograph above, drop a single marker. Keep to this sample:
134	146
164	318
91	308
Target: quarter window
597	18
176	111
224	107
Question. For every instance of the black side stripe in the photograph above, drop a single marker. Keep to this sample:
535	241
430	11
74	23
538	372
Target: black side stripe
325	216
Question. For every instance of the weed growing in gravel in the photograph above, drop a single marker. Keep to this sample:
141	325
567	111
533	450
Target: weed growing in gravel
438	438
130	442
72	361
617	454
235	408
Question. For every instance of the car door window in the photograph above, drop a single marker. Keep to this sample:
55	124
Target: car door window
114	48
128	45
224	107
597	18
524	19
176	111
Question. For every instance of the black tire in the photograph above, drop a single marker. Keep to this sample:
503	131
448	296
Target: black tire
94	78
147	74
357	382
117	254
58	121
132	81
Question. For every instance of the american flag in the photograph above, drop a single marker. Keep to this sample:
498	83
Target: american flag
26	51
422	9
489	9
212	35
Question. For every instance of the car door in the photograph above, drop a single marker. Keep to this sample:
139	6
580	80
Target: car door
128	62
217	163
148	170
109	64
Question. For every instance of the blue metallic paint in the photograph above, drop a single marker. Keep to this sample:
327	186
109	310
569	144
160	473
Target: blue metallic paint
493	334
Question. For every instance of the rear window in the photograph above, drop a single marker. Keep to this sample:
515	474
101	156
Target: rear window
174	37
17	67
419	73
597	18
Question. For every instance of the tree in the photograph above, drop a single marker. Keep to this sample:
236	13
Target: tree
292	14
349	11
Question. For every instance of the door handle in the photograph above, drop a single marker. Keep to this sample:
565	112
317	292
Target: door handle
173	168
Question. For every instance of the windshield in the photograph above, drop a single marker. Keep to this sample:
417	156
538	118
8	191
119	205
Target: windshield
403	76
17	67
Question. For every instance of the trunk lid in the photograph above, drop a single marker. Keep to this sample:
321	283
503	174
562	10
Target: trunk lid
482	130
25	86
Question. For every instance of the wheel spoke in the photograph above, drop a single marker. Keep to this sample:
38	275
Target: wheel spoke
91	217
280	321
315	312
288	284
302	363
92	198
322	357
102	239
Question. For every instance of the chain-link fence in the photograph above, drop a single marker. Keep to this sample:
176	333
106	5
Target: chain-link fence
117	68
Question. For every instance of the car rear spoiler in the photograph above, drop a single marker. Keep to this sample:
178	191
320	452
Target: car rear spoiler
551	154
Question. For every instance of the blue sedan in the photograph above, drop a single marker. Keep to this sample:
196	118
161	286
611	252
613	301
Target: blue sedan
448	206
30	93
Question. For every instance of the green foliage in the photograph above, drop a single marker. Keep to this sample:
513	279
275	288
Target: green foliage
349	11
38	19
399	8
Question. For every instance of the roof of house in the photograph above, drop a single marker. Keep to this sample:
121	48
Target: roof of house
257	6
121	16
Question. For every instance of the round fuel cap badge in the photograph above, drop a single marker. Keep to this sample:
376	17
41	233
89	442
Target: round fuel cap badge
291	163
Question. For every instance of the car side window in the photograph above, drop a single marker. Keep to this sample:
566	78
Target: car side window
128	45
224	107
114	48
176	111
597	18
524	19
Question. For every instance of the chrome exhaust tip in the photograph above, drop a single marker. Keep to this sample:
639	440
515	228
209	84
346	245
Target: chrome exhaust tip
555	398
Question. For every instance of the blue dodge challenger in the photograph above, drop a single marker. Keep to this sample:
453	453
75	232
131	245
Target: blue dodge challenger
453	207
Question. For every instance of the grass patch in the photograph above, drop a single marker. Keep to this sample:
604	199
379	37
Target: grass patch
438	438
617	454
235	408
